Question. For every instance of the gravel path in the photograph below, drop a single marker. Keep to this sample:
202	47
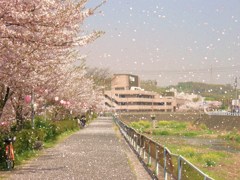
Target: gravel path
96	152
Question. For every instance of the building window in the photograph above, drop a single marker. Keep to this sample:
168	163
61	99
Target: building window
169	103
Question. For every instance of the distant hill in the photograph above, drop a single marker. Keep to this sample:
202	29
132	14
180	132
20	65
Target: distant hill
218	92
207	90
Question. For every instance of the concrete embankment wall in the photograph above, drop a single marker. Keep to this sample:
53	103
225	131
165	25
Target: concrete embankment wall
222	123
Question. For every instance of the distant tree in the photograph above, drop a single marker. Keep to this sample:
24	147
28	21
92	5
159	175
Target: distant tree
151	85
100	76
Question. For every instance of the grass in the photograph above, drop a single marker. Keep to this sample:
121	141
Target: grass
141	126
205	159
117	132
131	165
171	128
172	124
232	136
28	155
25	156
59	139
213	158
215	163
202	157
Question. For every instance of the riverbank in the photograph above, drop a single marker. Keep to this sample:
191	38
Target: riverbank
214	122
205	148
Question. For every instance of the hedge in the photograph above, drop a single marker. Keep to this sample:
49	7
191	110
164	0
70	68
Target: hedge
44	130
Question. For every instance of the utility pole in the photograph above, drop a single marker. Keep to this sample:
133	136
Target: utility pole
236	102
235	86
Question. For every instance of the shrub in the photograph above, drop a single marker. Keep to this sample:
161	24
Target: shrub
40	134
40	122
46	129
25	140
27	124
51	132
29	139
65	125
2	160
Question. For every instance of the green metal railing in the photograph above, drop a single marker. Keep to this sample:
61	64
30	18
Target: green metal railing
159	160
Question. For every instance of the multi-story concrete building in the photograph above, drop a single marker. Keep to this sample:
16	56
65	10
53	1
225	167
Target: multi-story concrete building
126	95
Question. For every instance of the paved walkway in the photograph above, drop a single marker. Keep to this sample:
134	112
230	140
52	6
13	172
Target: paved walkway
96	152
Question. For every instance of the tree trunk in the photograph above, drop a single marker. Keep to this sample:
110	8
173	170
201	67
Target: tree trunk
19	117
5	94
17	103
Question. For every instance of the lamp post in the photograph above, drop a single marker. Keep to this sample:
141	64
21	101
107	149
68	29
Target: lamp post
153	118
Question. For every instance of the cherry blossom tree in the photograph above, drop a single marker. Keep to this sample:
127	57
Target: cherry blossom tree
76	89
38	42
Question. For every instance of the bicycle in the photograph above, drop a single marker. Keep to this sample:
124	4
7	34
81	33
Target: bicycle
9	153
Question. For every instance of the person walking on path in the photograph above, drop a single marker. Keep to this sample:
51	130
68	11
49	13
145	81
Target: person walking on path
95	152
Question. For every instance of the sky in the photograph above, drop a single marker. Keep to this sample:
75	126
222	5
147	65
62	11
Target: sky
169	41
